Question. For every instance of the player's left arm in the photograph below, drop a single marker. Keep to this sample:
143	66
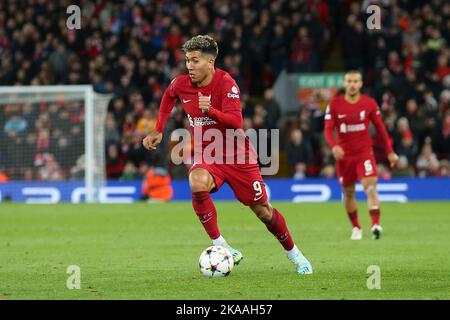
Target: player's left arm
231	114
375	117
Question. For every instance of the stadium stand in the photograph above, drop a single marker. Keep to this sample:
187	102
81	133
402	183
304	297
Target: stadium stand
131	49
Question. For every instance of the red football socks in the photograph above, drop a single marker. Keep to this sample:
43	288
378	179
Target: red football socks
280	230
206	212
353	216
375	215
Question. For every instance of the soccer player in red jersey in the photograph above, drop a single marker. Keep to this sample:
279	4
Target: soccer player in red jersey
351	115
210	97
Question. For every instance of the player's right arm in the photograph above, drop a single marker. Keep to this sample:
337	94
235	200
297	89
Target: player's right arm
337	150
153	139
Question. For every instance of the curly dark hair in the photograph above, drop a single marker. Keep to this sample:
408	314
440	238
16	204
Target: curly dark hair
202	43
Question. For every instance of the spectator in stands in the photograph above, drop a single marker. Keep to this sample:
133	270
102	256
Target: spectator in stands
16	123
442	137
444	168
298	153
58	59
65	152
157	185
444	100
77	172
112	135
272	111
278	50
416	119
146	123
353	42
325	155
43	140
129	125
427	163
442	68
403	169
118	108
408	147
3	177
130	173
114	163
49	169
135	151
30	113
302	53
402	128
29	150
328	172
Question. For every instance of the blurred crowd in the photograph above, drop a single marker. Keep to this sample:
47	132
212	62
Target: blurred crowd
405	67
43	142
131	50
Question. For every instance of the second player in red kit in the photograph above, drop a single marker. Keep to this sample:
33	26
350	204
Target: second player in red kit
352	123
350	115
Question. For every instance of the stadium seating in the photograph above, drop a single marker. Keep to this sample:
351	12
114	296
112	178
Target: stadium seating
131	49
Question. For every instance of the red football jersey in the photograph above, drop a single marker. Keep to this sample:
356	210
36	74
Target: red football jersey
352	124
225	113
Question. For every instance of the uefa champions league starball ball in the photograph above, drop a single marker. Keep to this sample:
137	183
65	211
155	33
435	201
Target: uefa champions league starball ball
216	261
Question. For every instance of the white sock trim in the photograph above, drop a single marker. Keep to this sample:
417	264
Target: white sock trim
293	252
220	241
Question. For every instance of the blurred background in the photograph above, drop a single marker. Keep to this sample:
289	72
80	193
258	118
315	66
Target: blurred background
131	50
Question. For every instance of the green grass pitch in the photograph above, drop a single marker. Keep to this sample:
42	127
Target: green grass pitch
150	251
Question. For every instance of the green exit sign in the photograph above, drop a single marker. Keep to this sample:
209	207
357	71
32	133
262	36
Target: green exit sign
321	80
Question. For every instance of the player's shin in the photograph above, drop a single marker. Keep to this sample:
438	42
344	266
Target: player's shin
278	227
206	212
351	207
375	215
373	203
353	217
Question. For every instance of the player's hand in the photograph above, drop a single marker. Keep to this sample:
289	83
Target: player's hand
393	159
152	140
204	103
338	152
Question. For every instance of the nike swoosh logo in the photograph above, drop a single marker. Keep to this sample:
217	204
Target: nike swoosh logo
186	101
257	198
340	116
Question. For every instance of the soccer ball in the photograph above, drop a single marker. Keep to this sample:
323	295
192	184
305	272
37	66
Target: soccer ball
216	261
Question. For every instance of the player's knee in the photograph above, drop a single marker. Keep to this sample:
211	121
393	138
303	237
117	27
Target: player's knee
199	182
370	189
349	193
199	186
